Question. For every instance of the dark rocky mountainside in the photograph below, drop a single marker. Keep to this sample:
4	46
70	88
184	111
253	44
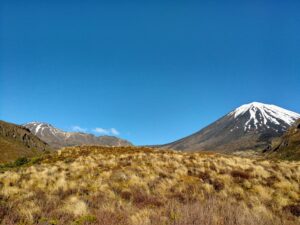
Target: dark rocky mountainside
17	141
249	127
57	138
287	146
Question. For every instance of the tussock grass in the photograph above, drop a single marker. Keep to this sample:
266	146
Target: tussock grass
132	185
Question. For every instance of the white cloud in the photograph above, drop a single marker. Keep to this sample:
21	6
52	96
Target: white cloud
109	131
101	130
114	131
78	129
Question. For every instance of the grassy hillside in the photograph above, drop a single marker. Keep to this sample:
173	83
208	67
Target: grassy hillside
288	146
140	186
17	141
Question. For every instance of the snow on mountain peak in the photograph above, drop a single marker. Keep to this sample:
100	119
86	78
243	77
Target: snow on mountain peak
265	114
37	127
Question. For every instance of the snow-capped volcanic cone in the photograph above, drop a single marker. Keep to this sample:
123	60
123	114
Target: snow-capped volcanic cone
58	138
249	127
265	116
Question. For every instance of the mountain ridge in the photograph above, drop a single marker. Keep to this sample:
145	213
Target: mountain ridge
17	141
248	127
58	138
288	145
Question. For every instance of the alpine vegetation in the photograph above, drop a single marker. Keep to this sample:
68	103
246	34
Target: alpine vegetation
144	186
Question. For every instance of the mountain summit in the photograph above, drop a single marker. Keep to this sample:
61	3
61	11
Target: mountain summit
249	127
265	116
58	138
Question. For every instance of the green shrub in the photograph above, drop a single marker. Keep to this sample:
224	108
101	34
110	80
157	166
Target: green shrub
87	219
21	161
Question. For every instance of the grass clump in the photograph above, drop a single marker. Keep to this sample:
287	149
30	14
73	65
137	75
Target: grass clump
144	186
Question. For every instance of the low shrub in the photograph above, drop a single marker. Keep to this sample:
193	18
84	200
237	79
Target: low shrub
240	174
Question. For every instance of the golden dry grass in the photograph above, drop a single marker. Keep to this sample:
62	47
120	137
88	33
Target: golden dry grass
140	186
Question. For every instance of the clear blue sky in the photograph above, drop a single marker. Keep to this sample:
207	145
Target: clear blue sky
155	71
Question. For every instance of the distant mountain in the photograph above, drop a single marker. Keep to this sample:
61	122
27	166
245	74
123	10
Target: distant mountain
17	141
288	145
249	127
58	138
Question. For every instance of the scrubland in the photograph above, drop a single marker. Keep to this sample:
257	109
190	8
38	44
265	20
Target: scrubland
144	186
